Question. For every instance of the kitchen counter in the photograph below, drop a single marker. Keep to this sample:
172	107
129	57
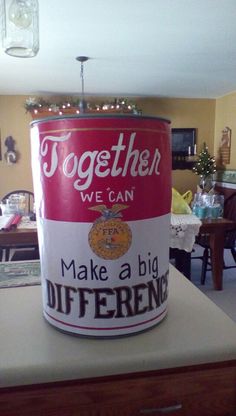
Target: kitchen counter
194	332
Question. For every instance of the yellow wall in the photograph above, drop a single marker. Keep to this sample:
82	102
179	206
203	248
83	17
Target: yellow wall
185	113
14	121
226	117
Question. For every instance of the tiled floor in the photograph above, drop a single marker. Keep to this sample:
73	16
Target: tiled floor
225	299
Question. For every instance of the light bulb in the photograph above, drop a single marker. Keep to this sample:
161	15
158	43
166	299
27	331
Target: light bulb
20	33
20	13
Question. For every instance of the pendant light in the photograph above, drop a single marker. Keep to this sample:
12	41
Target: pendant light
20	29
82	104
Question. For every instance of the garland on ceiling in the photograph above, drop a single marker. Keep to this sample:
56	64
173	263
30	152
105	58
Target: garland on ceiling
42	108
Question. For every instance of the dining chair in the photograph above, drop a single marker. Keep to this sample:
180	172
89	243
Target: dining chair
229	244
31	250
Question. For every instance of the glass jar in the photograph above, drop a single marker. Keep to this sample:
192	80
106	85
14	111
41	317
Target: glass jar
20	28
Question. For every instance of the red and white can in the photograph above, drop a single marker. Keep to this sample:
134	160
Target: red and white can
103	193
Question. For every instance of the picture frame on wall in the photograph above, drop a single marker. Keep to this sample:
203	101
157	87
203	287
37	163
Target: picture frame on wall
184	147
183	139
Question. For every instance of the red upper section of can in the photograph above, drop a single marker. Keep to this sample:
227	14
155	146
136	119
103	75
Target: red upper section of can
85	168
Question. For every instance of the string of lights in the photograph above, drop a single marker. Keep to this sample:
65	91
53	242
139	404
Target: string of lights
205	164
42	108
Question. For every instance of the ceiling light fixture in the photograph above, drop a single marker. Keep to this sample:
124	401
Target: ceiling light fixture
39	108
20	28
82	104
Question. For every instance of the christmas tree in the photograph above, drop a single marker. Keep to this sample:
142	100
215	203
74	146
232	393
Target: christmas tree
205	164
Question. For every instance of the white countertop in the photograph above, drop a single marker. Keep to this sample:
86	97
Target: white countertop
195	331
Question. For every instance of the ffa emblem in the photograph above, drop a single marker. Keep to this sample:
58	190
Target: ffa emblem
110	237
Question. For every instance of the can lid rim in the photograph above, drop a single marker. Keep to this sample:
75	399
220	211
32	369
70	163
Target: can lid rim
98	116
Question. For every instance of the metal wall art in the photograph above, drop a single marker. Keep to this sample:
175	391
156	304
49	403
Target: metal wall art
11	155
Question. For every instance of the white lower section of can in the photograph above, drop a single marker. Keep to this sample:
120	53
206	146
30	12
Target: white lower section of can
87	295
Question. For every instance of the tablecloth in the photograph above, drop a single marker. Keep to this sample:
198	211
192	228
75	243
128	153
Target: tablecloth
183	230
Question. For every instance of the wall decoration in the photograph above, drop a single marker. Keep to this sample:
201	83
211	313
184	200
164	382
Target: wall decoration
227	176
40	108
11	155
225	145
182	139
205	167
184	148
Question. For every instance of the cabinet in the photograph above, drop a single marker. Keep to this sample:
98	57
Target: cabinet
158	372
205	390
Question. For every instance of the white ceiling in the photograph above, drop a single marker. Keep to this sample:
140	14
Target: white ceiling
165	48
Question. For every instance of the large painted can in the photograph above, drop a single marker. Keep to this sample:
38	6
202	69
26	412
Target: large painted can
103	193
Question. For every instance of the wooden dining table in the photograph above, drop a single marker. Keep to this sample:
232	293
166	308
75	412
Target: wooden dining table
215	228
18	237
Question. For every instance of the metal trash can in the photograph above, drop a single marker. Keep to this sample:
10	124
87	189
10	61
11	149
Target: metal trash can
102	189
